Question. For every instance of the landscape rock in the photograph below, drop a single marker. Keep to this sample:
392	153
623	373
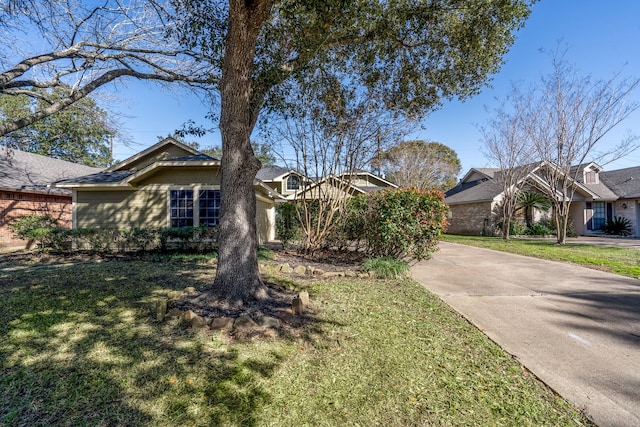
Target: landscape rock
173	313
270	322
190	290
350	273
334	274
193	320
363	275
318	272
304	297
286	268
301	269
174	294
220	323
297	307
244	322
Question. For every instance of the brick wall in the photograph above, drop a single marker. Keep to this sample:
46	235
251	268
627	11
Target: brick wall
469	218
15	204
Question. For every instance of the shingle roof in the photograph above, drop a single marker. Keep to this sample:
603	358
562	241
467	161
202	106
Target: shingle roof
24	171
98	178
480	192
194	158
623	182
271	172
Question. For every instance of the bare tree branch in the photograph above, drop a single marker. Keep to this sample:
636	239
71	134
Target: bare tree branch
88	47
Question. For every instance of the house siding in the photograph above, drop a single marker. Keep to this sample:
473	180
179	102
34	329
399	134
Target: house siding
14	205
265	221
469	219
184	176
121	209
167	152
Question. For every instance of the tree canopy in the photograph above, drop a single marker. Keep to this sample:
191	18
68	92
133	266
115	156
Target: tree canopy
80	133
421	164
85	45
408	56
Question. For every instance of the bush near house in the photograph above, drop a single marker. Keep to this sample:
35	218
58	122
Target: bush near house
47	235
397	223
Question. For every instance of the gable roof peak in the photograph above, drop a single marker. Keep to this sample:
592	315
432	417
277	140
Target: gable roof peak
160	144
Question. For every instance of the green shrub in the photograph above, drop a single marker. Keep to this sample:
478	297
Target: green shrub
43	230
618	226
287	223
517	228
96	239
405	223
539	229
139	239
352	226
386	268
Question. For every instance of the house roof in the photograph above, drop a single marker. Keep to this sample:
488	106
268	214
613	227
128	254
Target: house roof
474	191
623	182
269	173
22	171
613	185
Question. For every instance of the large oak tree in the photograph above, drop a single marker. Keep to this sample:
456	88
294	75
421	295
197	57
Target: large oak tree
408	56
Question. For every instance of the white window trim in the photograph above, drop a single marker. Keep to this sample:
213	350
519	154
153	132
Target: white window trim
196	200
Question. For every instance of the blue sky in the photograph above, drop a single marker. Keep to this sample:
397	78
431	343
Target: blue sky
602	38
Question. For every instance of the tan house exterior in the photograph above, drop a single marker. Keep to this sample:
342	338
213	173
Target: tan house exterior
25	189
600	195
167	185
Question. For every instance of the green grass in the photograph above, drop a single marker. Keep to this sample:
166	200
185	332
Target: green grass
623	261
78	348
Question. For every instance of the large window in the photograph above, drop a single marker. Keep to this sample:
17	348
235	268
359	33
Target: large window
209	203
600	213
181	208
293	183
183	205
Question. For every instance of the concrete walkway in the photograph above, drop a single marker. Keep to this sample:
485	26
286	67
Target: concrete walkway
577	329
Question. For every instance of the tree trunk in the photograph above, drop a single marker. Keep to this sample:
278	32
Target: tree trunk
237	279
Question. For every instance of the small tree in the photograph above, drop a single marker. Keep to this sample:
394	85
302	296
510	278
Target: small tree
332	138
506	146
565	119
529	201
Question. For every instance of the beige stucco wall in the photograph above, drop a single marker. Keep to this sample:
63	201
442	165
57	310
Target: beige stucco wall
469	218
120	209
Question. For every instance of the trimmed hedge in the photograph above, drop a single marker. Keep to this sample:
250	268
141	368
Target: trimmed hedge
47	235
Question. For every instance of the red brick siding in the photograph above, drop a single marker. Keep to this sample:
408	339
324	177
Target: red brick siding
14	205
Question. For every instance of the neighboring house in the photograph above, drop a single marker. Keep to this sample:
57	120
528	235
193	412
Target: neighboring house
367	182
294	185
286	182
25	189
600	195
358	182
167	185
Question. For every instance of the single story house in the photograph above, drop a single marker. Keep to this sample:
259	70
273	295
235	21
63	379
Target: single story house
167	185
600	195
25	189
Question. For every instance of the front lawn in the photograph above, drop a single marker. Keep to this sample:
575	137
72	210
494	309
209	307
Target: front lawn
623	261
78	346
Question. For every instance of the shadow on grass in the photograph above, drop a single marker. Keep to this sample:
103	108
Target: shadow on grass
78	347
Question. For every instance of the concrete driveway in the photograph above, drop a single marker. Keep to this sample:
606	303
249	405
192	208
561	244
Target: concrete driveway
577	329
